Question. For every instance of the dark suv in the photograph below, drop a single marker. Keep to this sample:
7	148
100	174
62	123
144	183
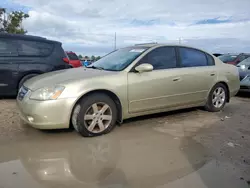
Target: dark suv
25	56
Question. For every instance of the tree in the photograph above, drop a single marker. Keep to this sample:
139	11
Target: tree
97	58
12	22
93	58
80	56
86	57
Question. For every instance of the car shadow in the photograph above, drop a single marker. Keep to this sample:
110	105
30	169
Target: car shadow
243	94
7	97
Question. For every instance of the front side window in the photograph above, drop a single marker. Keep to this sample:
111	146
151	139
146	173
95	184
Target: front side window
7	48
192	58
119	59
34	48
161	58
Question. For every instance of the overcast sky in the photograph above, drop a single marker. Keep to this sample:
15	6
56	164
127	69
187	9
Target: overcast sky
88	26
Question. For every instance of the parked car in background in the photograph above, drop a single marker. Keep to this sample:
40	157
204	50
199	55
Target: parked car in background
25	56
233	59
74	61
86	63
244	72
245	64
129	82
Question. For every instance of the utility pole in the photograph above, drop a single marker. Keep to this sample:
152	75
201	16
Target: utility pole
179	40
115	41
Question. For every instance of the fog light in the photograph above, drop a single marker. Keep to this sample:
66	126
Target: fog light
31	119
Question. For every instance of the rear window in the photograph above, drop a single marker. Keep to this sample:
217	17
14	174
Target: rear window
72	56
34	48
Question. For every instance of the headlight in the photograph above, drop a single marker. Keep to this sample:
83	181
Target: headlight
243	67
47	93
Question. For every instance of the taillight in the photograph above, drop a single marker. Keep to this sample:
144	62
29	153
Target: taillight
66	60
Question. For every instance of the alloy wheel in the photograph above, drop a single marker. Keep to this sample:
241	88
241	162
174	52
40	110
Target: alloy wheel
219	97
98	117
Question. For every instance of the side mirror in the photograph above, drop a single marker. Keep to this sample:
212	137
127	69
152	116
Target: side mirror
145	67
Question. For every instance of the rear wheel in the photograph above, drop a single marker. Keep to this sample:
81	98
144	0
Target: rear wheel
217	98
95	115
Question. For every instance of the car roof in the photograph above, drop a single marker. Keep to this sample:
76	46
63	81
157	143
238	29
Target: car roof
150	45
26	37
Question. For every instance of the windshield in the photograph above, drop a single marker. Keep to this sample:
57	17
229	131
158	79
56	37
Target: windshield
119	59
245	62
227	58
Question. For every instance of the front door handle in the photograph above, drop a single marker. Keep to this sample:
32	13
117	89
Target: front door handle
212	74
176	79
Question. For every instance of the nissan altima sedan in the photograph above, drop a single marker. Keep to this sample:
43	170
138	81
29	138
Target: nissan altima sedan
132	81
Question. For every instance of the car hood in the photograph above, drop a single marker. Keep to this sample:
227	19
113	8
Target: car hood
62	76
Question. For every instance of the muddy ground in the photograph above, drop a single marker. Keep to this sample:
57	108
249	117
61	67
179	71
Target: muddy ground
187	148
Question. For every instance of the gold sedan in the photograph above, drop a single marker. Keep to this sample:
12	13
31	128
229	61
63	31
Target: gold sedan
132	81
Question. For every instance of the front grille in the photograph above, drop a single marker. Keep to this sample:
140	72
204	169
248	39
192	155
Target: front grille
22	92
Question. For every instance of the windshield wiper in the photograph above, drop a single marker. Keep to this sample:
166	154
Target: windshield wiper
94	67
100	68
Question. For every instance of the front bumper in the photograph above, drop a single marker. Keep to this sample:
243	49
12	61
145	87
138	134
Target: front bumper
51	114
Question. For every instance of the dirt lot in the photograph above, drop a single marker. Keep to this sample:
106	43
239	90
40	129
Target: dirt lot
187	148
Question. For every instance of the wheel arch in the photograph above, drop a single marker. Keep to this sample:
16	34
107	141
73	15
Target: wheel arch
109	93
26	74
227	87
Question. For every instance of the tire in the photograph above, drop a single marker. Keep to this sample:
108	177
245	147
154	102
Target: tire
213	97
25	78
95	115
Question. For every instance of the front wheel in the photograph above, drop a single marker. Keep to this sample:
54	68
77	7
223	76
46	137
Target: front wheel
217	98
95	115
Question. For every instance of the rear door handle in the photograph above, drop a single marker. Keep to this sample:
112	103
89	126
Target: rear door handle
212	74
176	79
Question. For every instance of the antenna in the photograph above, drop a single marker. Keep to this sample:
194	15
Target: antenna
115	41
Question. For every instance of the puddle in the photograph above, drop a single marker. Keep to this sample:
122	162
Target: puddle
128	157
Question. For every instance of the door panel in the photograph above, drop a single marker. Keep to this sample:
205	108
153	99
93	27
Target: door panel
158	88
153	90
196	82
169	88
198	73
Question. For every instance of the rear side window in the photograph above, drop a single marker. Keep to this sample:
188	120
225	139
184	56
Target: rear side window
72	56
192	58
210	60
34	48
161	58
7	48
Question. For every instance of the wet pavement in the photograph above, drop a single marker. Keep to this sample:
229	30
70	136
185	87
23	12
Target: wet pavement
187	148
